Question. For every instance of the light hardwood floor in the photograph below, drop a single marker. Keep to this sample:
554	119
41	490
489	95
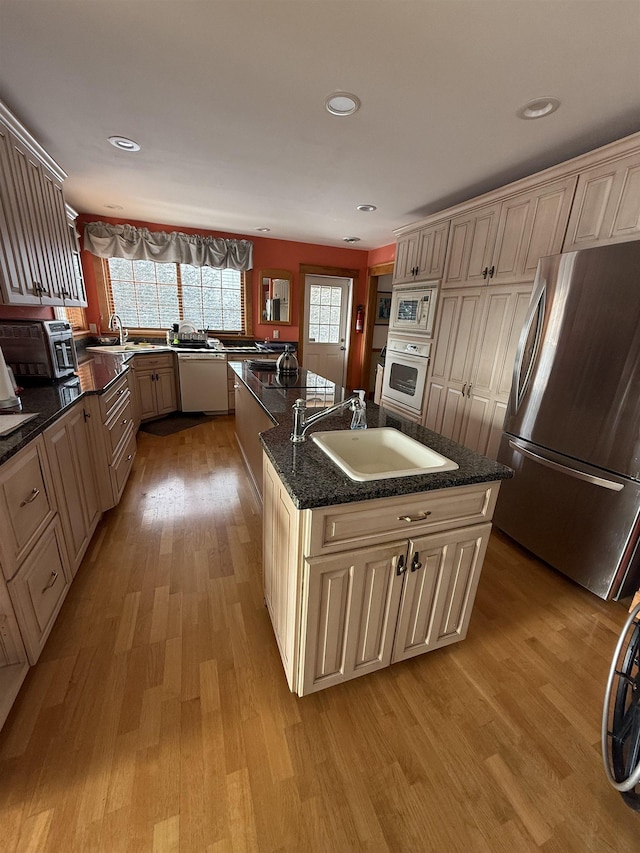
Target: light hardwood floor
158	717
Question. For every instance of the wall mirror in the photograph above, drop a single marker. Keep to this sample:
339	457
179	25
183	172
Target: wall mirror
275	294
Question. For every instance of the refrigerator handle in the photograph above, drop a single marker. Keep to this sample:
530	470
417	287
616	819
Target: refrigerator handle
528	345
564	469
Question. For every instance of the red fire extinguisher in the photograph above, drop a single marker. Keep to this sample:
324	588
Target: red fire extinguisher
359	318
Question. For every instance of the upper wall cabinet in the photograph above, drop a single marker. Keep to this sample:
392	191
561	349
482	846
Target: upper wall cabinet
420	254
36	250
607	205
503	242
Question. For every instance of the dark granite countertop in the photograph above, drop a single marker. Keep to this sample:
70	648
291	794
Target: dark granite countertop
94	376
313	480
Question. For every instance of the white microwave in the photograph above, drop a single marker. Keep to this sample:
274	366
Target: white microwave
413	308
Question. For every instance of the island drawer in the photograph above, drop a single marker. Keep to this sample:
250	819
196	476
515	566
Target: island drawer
335	528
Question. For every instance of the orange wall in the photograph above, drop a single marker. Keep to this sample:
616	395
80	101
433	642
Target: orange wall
267	253
383	255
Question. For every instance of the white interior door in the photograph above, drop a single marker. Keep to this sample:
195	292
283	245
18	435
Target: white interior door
327	308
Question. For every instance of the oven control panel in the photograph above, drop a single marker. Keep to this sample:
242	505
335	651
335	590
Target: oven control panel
395	345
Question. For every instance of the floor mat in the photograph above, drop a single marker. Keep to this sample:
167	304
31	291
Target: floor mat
175	423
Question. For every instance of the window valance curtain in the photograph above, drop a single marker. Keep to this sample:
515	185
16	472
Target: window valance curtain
140	244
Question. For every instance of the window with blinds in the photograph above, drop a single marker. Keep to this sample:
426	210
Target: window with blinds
149	295
76	316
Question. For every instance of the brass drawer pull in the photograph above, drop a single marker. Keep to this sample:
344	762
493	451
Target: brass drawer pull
34	494
410	518
52	580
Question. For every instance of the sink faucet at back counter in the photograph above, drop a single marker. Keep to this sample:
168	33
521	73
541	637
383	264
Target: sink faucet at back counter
115	324
301	423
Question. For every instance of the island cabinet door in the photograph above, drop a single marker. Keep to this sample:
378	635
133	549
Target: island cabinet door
350	607
439	589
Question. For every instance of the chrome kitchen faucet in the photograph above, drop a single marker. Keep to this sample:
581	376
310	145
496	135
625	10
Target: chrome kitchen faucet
115	324
301	423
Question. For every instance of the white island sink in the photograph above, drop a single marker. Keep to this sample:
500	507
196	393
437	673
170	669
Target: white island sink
380	453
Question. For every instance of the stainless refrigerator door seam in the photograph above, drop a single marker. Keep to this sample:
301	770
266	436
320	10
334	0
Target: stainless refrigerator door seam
535	314
571	472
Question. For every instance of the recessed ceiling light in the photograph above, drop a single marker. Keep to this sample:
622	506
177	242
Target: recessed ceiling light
351	239
342	104
263	229
367	208
114	206
123	143
538	108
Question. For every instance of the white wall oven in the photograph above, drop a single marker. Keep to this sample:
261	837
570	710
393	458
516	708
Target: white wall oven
413	308
405	375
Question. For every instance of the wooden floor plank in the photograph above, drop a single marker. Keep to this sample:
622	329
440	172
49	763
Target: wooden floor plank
158	718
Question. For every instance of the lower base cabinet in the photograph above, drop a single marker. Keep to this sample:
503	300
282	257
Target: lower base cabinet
70	456
155	380
39	588
343	614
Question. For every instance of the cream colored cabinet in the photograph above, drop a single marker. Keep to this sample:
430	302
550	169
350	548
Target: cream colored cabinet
420	254
39	588
607	204
156	385
472	369
27	504
13	656
471	240
366	609
77	295
70	456
440	582
349	614
354	587
32	550
113	439
503	242
36	251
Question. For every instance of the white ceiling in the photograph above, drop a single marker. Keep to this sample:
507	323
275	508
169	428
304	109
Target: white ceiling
226	98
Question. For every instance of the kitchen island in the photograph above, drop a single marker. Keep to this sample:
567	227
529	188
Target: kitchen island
358	576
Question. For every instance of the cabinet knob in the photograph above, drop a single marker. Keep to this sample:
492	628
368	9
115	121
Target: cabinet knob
464	388
124	422
130	457
485	272
415	563
469	390
401	566
492	271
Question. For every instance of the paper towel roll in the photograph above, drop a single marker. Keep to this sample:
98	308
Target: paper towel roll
8	398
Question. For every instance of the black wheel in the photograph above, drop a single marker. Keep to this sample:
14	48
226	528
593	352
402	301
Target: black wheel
621	715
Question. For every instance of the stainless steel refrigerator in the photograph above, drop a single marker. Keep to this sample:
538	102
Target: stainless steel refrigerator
572	428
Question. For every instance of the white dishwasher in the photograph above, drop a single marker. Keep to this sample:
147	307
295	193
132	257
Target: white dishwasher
203	382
